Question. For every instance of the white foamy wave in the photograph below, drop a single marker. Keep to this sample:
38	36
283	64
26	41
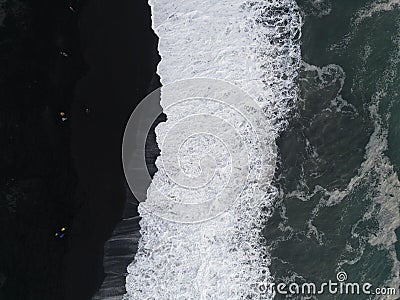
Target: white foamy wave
374	8
253	45
320	8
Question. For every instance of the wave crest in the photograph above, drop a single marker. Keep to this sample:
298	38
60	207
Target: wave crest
255	46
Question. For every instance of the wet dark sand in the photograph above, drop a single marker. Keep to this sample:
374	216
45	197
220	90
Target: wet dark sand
120	48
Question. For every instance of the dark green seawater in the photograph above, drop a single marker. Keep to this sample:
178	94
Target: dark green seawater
340	160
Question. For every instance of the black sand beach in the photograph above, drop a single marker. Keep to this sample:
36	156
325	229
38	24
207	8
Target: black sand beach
92	62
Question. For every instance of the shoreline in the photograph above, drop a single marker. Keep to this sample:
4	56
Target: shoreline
118	45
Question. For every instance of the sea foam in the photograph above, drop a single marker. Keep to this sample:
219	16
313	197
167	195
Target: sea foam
253	45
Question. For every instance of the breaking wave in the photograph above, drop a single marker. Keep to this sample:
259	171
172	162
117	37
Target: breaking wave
254	46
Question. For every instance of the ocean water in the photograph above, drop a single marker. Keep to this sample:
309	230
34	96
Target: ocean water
251	45
338	209
333	113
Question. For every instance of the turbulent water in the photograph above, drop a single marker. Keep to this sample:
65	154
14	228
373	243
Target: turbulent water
333	205
338	208
253	45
